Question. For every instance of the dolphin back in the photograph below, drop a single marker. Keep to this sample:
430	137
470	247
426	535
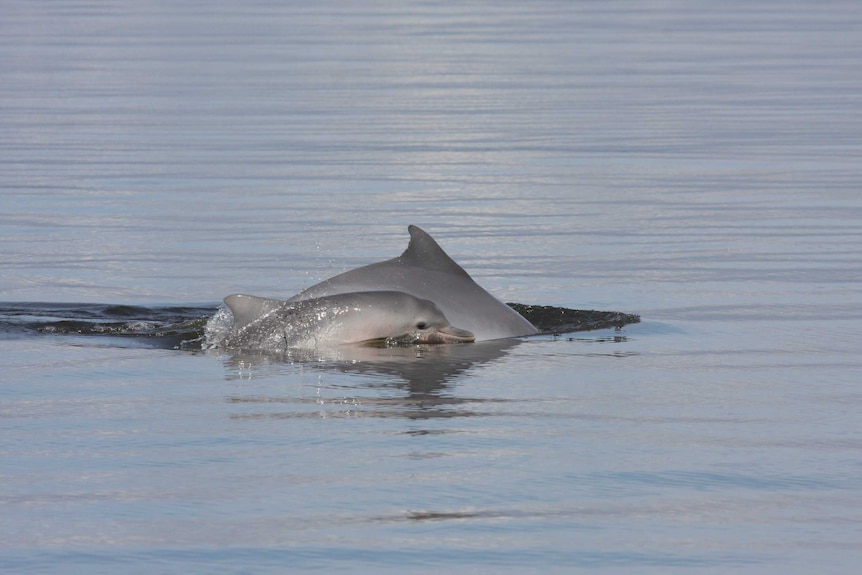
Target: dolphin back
425	271
423	251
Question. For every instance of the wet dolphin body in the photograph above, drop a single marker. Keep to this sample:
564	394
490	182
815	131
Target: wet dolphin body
276	325
425	271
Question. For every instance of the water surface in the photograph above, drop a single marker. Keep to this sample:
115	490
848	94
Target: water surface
696	164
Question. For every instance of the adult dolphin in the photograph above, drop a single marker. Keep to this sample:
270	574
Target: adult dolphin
425	271
276	325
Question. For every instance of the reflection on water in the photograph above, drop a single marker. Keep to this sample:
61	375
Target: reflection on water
408	408
422	376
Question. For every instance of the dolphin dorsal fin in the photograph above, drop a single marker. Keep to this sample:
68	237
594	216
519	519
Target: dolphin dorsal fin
424	251
247	308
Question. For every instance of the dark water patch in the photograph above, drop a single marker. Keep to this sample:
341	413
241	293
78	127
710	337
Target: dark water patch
559	320
182	327
169	327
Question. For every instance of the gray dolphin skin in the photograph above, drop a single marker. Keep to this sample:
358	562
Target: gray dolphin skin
276	325
425	271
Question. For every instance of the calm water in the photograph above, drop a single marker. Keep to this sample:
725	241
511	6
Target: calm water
695	163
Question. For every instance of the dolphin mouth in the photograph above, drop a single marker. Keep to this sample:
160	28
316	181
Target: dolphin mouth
446	334
436	335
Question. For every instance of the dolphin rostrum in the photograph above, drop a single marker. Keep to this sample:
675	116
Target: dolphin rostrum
425	271
276	325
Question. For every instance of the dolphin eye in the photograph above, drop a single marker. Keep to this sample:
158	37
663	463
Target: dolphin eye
421	325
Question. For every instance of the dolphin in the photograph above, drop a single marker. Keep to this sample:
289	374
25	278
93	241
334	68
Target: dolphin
425	271
277	325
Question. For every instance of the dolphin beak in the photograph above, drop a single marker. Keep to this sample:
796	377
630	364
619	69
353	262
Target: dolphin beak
447	334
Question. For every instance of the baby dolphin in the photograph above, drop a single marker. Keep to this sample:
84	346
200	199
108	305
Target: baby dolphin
346	318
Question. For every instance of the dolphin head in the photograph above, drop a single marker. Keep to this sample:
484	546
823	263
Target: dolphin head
402	318
441	334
